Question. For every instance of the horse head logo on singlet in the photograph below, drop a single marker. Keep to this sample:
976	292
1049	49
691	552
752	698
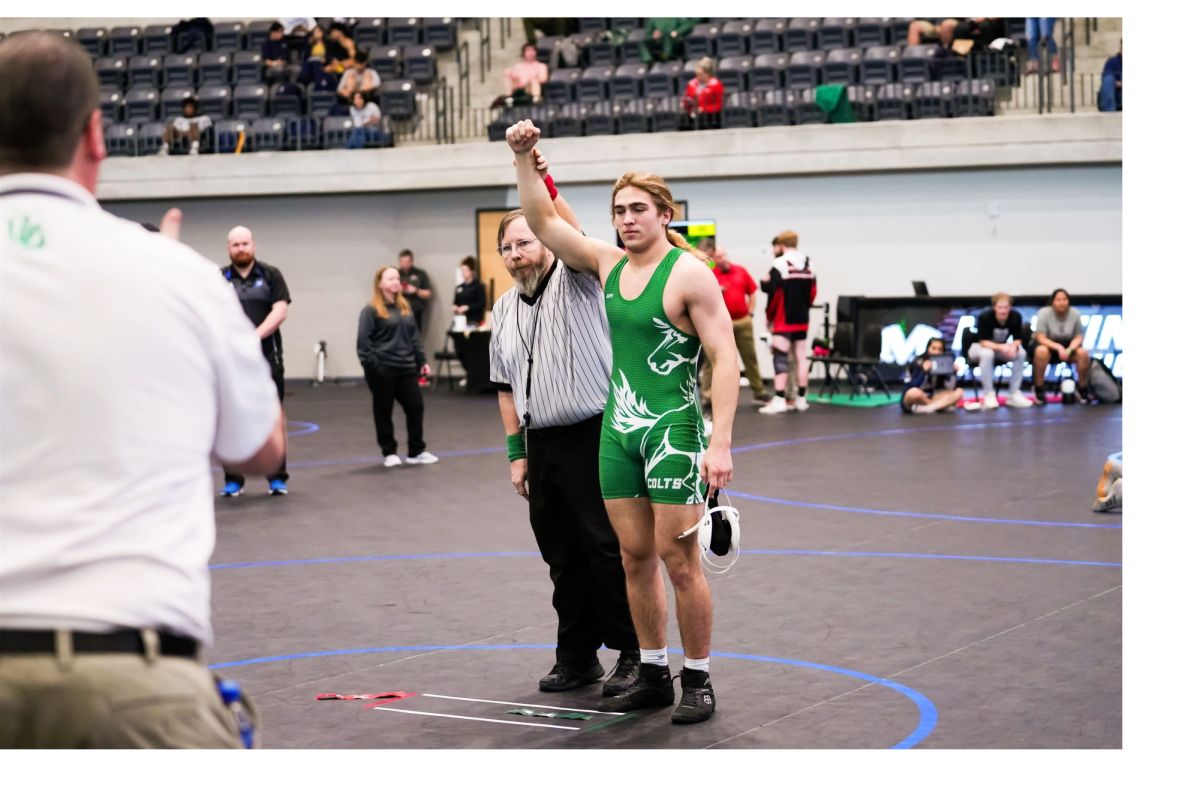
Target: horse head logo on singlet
662	360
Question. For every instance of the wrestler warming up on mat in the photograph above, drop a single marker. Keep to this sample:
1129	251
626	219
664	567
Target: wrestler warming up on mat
662	303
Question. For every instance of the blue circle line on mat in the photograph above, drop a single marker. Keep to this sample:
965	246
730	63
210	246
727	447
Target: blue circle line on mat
416	557
925	724
311	427
824	507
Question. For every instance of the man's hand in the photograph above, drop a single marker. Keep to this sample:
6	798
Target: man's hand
523	136
425	371
171	221
1063	352
543	166
408	288
716	467
520	471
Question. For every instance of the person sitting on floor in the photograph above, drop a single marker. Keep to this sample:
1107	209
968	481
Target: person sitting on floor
926	391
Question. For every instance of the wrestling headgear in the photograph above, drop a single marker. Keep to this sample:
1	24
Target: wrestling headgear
718	533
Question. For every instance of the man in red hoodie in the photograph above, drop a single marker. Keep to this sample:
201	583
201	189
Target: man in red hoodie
792	288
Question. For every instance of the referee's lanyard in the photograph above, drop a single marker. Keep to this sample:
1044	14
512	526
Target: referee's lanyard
529	346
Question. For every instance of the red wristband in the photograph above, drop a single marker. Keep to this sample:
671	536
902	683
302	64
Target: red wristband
550	186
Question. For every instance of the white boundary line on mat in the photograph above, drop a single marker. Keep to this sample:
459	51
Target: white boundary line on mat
478	719
524	705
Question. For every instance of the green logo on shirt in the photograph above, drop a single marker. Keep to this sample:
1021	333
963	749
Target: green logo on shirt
29	235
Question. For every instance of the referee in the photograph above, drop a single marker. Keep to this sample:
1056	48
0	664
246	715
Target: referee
109	410
551	358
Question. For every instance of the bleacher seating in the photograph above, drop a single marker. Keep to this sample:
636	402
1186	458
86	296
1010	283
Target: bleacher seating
600	119
121	139
268	135
302	133
767	36
112	72
229	36
247	67
933	99
397	99
141	105
702	41
734	73
881	65
287	100
257	32
228	134
172	102
663	79
801	34
734	39
337	132
388	61
215	101
145	72
626	82
441	33
215	68
157	39
112	104
593	84
420	64
369	33
836	33
250	101
767	72
560	88
841	65
873	32
804	69
93	40
125	41
179	70
893	101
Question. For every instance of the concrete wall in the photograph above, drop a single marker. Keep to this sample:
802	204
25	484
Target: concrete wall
869	234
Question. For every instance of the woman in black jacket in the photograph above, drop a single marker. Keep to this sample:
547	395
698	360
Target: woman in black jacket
389	347
469	297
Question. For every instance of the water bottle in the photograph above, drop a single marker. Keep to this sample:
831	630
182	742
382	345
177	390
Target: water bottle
231	694
1068	391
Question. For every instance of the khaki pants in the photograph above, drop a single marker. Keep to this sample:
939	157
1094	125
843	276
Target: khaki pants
113	701
743	336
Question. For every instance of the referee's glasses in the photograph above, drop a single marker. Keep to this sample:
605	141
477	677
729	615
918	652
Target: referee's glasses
523	245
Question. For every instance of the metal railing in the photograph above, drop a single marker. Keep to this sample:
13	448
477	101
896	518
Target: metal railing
462	59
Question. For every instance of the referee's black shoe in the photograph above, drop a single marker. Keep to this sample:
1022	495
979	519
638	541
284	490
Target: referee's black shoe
565	677
699	702
623	673
652	688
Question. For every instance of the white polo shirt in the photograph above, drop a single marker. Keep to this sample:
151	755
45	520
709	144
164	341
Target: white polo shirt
125	363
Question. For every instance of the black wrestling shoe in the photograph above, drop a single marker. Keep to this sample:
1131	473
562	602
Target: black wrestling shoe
652	688
623	673
699	702
565	677
1039	395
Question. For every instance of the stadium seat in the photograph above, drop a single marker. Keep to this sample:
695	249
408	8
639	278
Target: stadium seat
1000	66
112	72
593	24
179	70
801	34
121	139
157	39
702	41
93	40
247	67
805	110
141	105
626	82
663	79
881	65
368	33
215	67
630	51
388	61
862	100
250	101
952	67
918	63
145	71
628	23
804	69
150	138
404	31
602	54
767	36
633	116
336	132
547	47
321	101
836	33
560	88
734	39
893	101
125	41
441	33
600	119
302	133
567	120
933	100
420	64
841	65
738	110
215	101
229	36
666	114
112	104
228	134
873	32
268	135
593	84
287	100
397	99
503	121
974	98
775	107
734	73
257	32
899	27
172	102
767	72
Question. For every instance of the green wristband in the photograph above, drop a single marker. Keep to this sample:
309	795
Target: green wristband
516	447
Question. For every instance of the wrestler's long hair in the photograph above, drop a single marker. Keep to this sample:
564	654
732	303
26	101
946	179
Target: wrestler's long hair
380	305
657	188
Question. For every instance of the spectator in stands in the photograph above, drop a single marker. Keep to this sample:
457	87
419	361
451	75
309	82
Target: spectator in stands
340	47
275	57
293	26
360	79
922	31
739	292
705	96
1109	98
925	392
549	26
1000	343
414	283
664	37
317	58
469	297
526	77
1037	29
186	128
1059	336
982	31
366	118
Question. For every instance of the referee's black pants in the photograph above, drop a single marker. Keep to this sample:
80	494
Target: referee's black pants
282	474
577	541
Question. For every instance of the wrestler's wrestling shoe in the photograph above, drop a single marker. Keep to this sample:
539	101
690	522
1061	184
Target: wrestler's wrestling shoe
699	702
652	688
623	674
565	677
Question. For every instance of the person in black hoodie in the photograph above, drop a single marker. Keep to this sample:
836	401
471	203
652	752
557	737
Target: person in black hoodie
389	347
469	297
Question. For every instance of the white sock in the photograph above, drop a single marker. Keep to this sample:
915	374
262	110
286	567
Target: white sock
656	657
700	664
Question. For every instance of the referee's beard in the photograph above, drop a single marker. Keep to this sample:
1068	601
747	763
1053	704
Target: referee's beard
528	272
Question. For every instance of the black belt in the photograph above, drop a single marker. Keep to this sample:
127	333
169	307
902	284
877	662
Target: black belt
556	431
126	640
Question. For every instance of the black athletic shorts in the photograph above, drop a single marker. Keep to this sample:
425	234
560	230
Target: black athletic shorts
1055	358
793	336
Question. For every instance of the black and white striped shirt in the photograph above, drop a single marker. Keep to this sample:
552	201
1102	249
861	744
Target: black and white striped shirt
565	326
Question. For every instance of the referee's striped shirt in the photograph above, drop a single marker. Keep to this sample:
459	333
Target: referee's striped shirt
565	326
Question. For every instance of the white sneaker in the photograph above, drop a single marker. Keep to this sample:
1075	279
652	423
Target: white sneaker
165	150
393	461
743	382
801	404
195	149
425	458
924	409
1019	400
777	406
990	402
